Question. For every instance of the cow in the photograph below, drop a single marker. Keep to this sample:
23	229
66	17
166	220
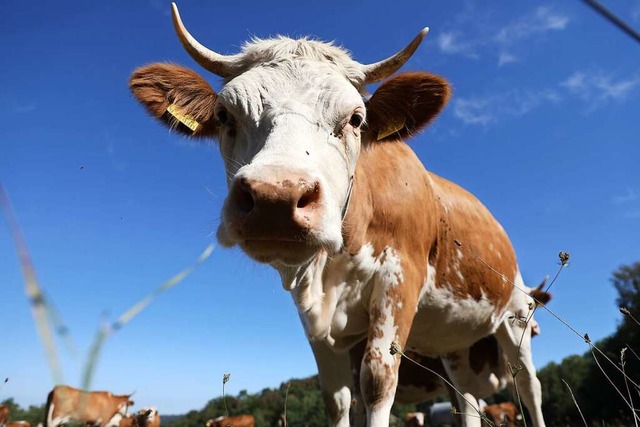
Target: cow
235	421
145	417
414	419
504	414
324	189
4	413
66	403
17	424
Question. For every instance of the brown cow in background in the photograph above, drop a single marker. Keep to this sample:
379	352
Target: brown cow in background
237	421
145	417
66	403
502	414
4	413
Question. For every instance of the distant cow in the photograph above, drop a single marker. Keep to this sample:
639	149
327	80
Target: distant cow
4	413
237	421
66	403
502	415
414	419
17	424
145	417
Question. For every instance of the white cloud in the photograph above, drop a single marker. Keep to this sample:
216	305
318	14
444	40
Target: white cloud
541	21
476	38
513	103
25	108
629	196
474	111
449	42
599	87
506	58
635	13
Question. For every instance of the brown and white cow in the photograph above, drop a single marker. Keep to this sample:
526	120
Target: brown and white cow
4	413
504	414
235	421
145	417
66	403
323	188
414	419
18	424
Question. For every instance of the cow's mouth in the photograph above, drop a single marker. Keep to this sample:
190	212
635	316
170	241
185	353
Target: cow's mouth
287	252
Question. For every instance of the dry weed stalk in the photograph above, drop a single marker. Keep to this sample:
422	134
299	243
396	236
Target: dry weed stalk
395	349
575	402
225	380
286	398
585	337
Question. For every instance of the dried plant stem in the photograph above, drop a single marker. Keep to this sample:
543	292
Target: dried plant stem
225	379
584	337
395	348
626	384
286	398
514	373
575	402
635	416
32	289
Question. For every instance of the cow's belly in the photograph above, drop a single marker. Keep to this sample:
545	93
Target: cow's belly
445	323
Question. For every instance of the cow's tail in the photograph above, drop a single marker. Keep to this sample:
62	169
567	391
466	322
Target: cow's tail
49	410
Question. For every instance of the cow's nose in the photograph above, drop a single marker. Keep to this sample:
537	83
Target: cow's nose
287	202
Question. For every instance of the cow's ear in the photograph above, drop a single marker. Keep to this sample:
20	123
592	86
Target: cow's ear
178	97
404	105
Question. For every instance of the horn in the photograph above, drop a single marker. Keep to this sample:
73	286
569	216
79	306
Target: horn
223	66
383	69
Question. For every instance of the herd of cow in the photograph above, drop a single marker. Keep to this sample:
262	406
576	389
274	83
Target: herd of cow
67	405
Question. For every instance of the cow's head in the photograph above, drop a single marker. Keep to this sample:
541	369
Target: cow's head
291	120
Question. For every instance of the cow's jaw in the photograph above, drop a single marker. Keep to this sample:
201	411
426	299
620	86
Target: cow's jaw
289	162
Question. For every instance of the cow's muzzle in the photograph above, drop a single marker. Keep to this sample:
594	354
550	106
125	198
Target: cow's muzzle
275	220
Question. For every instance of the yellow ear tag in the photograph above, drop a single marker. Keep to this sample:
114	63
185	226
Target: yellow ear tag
185	119
390	129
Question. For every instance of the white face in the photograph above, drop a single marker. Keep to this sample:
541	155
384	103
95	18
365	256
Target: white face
290	139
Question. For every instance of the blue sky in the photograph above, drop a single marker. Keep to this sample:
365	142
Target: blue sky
543	127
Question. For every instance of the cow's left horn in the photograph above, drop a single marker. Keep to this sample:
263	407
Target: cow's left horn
383	69
222	65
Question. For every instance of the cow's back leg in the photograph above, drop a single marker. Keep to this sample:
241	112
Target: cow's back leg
334	373
514	336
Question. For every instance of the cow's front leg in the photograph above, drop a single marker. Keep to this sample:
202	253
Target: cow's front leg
334	373
390	318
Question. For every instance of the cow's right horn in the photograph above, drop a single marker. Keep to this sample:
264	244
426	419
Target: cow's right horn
223	66
382	69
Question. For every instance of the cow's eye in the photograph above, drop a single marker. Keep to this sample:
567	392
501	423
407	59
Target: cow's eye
223	117
356	120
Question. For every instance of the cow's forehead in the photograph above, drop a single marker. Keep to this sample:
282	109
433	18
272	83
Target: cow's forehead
299	85
260	52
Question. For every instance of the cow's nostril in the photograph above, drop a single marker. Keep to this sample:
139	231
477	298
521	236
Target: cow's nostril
244	200
310	197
